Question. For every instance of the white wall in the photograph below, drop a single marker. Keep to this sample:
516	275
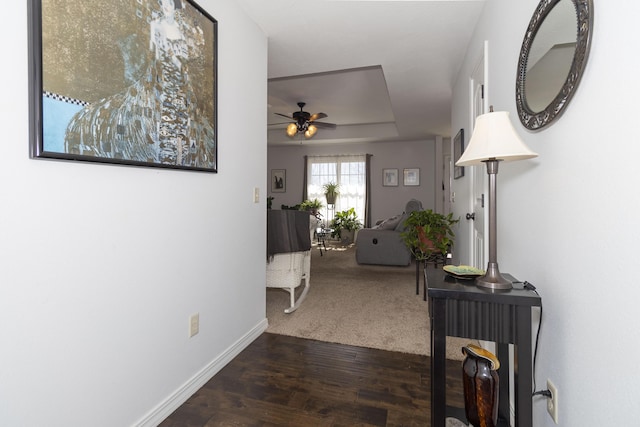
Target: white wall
567	221
101	266
386	201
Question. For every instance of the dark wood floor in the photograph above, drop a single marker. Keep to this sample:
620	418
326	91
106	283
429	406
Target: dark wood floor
286	381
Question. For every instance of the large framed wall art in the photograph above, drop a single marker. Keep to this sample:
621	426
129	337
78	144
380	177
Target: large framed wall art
128	82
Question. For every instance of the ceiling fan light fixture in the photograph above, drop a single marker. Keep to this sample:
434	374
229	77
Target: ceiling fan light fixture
310	132
304	123
292	129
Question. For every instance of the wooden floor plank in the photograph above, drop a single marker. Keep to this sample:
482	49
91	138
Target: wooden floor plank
286	381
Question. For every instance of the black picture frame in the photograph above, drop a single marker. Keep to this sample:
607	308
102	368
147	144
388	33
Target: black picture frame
278	180
458	149
132	83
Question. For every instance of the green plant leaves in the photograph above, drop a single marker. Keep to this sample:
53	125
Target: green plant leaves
345	220
427	233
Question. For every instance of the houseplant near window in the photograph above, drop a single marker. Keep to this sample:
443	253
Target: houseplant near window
428	233
331	192
344	225
313	206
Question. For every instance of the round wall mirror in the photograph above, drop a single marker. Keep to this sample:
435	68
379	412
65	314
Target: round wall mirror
552	59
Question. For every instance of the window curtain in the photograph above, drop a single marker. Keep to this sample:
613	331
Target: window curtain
367	193
304	179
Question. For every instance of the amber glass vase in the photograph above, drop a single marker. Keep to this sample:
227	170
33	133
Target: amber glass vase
481	386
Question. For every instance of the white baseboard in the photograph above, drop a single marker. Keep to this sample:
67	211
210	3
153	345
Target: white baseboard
173	402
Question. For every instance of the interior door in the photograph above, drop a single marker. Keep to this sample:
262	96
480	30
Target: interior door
479	183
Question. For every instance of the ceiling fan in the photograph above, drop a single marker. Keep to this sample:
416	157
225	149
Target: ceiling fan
305	123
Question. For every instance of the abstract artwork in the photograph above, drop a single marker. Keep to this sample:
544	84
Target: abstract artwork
124	81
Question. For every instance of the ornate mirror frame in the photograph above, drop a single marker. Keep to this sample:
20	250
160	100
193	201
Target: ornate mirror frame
536	120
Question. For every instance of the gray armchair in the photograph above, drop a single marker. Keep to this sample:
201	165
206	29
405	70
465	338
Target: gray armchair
382	244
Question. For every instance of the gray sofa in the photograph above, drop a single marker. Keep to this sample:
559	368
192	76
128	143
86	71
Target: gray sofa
382	244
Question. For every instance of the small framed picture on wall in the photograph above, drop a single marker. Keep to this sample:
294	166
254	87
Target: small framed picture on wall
411	177
278	180
458	149
389	177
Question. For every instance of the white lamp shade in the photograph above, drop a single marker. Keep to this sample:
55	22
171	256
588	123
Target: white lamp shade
494	137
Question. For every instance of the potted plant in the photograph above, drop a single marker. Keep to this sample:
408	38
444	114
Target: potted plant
312	206
344	226
331	192
428	233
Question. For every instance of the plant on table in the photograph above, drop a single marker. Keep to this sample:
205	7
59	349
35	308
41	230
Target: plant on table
313	206
428	233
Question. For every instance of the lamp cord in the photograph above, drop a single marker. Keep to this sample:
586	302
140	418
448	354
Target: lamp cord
530	287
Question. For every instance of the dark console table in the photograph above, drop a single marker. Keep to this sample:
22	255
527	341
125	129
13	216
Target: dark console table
459	308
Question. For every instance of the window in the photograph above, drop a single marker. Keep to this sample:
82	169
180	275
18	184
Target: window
349	172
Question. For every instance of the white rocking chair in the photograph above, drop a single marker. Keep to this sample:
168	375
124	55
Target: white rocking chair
288	270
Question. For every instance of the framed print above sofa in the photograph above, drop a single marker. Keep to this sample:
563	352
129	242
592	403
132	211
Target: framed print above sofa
389	177
411	177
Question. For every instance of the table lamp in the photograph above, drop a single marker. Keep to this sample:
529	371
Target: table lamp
494	140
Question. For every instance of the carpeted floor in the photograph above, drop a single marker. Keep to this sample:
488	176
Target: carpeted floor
362	305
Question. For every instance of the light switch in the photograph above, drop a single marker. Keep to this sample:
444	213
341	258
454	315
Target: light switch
256	195
194	324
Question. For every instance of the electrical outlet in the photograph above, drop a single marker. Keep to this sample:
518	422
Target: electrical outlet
194	324
552	402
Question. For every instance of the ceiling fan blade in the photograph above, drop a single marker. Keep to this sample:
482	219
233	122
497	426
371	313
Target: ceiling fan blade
317	116
322	125
278	124
284	115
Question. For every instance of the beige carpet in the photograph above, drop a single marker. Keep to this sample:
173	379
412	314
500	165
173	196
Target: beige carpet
362	305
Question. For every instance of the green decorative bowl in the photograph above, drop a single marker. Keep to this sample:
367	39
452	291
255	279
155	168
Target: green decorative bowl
465	272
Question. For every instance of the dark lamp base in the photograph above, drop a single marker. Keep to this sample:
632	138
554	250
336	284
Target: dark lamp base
493	279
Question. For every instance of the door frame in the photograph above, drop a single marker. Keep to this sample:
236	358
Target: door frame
478	182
